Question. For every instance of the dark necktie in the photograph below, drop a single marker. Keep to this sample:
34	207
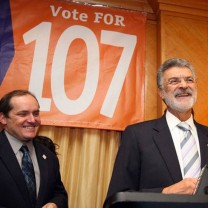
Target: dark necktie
190	153
28	172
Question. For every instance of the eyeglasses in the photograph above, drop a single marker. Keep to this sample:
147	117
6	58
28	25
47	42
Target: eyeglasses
178	80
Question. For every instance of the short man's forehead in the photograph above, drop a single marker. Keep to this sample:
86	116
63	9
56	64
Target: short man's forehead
24	102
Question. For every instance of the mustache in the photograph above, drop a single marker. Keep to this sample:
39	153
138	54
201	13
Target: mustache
178	92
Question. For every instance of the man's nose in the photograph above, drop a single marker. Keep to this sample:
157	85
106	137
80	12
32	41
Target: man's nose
31	118
183	83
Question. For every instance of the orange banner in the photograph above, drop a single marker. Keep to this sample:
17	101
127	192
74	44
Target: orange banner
84	63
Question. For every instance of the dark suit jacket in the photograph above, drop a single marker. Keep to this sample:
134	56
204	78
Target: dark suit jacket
147	160
13	190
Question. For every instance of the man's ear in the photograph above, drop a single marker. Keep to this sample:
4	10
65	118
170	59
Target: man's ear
160	93
3	119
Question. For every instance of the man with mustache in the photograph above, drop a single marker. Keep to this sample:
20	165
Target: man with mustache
19	151
150	156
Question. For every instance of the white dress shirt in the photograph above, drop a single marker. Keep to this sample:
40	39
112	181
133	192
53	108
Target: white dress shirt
177	135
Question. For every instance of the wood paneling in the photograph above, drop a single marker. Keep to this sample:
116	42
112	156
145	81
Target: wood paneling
185	35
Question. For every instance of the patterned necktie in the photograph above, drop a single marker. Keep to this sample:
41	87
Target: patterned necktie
190	155
28	172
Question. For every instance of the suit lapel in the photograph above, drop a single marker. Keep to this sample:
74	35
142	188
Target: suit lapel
43	166
164	142
9	159
202	132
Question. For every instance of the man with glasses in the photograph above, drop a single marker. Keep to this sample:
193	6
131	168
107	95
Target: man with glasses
164	155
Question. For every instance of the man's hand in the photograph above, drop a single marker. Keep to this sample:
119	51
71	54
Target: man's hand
186	186
50	205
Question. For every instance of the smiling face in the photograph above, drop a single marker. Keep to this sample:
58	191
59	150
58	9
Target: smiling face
179	90
23	120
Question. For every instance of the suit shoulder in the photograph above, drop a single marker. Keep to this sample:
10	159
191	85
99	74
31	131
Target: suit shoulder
202	127
143	124
41	148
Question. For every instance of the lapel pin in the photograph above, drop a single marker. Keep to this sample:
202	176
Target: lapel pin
44	157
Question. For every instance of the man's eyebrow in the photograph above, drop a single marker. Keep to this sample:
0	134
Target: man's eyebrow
26	111
180	77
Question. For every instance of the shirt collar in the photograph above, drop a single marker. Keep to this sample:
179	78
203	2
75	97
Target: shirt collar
16	144
173	121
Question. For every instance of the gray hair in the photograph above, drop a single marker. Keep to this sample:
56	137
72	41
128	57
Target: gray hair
174	62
